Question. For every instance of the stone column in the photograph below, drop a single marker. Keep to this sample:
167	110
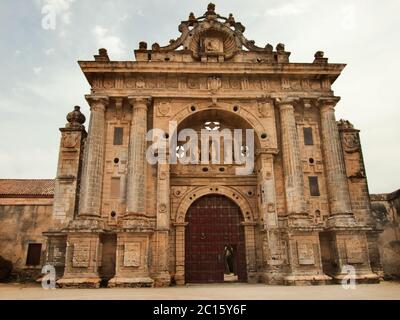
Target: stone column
292	166
162	276
92	177
180	253
137	165
272	253
335	170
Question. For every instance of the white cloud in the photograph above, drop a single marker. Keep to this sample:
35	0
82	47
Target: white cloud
289	9
348	17
49	52
37	70
112	43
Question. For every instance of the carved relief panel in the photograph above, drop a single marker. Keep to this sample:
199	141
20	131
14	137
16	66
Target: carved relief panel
132	254
305	252
81	255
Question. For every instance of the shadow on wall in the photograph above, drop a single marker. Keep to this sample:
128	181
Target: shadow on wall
6	268
386	211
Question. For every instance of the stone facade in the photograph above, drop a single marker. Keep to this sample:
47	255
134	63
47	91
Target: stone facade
305	207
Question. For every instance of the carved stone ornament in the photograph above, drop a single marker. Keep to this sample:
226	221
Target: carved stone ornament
264	108
351	142
211	34
69	141
214	83
164	109
162	208
132	254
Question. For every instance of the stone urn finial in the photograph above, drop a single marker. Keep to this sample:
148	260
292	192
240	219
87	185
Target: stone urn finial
142	45
75	119
319	55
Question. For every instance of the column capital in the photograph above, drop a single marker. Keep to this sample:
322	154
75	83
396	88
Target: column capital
139	101
328	102
97	102
286	102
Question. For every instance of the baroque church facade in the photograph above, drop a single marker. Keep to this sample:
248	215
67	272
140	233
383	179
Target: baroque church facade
302	216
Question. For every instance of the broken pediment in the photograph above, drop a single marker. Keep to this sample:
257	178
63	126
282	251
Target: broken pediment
209	38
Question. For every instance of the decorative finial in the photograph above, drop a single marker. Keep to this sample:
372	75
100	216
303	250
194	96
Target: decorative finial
280	47
75	119
319	58
231	20
102	56
319	55
142	45
210	9
192	18
155	47
102	52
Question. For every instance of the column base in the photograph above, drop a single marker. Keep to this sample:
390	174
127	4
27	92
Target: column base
179	280
273	278
140	282
306	280
162	279
79	283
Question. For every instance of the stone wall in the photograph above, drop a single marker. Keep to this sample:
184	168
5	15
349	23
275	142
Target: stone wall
386	211
20	225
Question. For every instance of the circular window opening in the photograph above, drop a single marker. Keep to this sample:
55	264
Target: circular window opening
311	160
113	214
250	193
205	169
222	169
116	160
236	108
166	136
193	108
264	136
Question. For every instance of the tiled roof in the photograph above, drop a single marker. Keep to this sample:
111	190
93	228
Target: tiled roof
26	188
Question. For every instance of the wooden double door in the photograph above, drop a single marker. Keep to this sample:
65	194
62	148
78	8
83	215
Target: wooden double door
214	241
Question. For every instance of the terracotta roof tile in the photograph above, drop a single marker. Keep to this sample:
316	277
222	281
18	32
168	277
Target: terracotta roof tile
26	187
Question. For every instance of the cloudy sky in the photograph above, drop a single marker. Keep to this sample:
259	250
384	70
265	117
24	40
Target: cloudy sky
40	80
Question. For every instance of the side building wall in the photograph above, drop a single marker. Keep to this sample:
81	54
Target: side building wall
22	222
386	210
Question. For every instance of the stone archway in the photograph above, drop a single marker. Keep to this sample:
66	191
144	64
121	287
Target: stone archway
232	111
248	226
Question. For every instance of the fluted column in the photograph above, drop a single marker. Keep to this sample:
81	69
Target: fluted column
136	184
292	166
335	170
92	176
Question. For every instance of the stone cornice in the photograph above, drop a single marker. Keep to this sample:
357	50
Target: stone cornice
225	95
211	68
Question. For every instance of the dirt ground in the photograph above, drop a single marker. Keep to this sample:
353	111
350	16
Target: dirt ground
233	291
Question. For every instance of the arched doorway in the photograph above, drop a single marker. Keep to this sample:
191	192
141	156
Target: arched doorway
214	241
